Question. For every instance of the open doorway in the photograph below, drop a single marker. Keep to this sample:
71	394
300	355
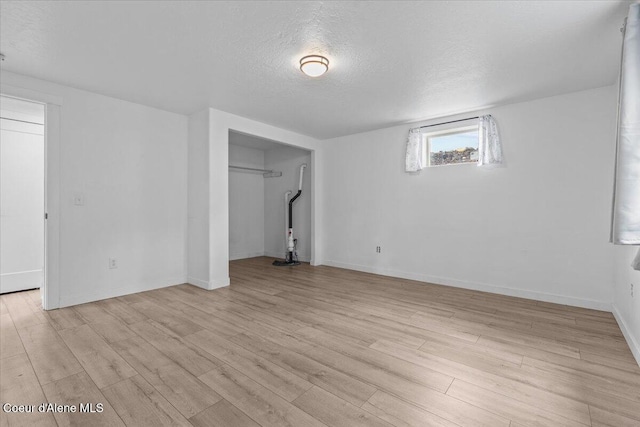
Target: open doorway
22	195
261	172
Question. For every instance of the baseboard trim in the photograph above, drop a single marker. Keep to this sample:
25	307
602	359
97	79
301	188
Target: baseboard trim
69	300
219	283
246	255
478	286
280	255
209	286
198	282
634	346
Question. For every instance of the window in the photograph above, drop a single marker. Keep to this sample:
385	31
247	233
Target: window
451	147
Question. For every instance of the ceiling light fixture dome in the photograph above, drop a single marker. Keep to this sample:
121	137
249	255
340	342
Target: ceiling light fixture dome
314	65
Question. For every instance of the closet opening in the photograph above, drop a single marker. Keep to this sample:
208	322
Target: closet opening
261	173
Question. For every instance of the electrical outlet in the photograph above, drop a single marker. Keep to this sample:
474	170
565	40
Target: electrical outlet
113	263
378	249
632	290
78	199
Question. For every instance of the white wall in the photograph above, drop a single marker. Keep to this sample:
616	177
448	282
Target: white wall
625	307
538	228
198	200
22	195
287	160
129	164
246	203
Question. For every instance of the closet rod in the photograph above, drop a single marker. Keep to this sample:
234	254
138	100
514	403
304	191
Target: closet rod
250	169
22	121
446	123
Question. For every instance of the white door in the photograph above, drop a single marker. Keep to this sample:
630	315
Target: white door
21	195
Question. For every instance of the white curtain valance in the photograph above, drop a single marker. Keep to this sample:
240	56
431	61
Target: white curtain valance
625	228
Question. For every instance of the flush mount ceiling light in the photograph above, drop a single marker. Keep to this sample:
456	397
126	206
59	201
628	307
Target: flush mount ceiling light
314	65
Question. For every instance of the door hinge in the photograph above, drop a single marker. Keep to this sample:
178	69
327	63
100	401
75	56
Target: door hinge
46	215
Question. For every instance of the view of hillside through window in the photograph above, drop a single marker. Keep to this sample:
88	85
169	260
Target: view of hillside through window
453	148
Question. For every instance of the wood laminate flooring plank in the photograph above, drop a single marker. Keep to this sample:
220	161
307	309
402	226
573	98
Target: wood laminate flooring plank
625	385
121	310
367	305
277	379
180	325
362	327
602	418
10	343
132	298
35	295
50	357
181	351
455	348
64	318
222	414
79	389
334	411
385	380
525	350
444	327
107	326
342	385
261	404
3	307
390	364
205	319
100	361
583	391
139	404
183	390
626	364
507	407
262	313
22	311
505	380
401	413
19	386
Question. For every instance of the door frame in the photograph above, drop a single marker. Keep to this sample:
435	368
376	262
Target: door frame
50	290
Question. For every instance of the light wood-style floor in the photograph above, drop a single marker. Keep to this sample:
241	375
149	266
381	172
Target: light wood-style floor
309	346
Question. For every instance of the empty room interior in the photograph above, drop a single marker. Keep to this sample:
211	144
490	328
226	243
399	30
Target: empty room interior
310	213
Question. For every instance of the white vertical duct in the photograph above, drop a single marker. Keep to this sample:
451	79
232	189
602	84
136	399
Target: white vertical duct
291	257
286	218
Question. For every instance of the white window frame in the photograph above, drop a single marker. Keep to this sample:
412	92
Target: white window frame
426	152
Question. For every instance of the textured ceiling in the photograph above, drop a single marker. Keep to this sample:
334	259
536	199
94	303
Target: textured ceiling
391	62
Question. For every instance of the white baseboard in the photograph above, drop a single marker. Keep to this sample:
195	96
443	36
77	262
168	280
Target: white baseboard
204	284
209	286
277	255
633	344
220	282
280	255
69	300
246	255
477	286
21	280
